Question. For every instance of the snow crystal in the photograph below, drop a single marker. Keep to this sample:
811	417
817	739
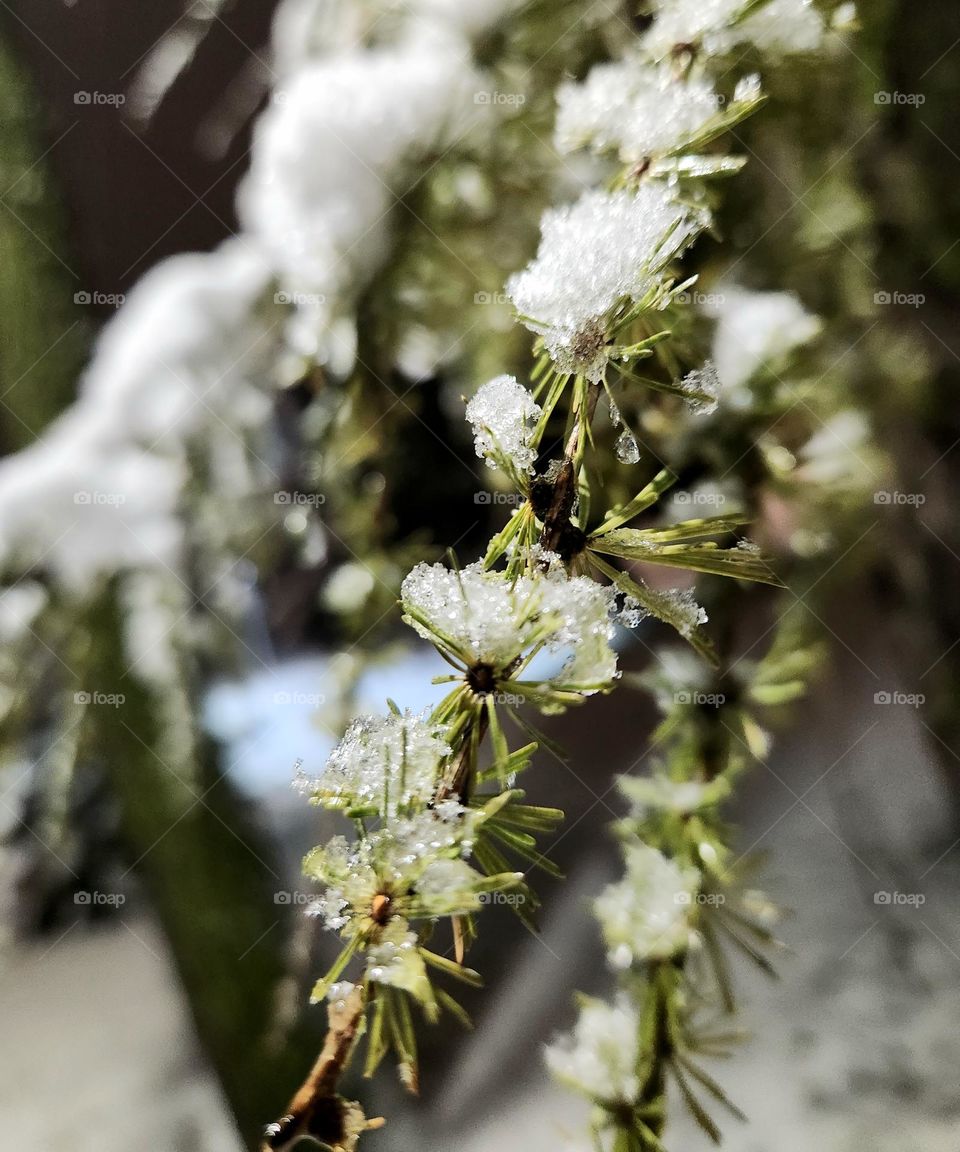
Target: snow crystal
638	110
388	762
339	991
503	415
599	1058
686	22
747	89
646	916
782	27
445	827
592	254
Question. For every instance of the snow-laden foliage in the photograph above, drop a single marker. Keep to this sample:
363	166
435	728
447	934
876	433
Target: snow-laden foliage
176	412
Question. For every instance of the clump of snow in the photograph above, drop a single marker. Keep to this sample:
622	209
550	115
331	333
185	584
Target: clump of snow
593	254
184	359
755	330
646	915
599	1058
487	618
703	386
503	415
777	28
332	155
633	109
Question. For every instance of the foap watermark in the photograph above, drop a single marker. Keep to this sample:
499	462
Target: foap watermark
100	899
508	699
99	499
300	299
491	298
901	699
701	299
100	299
508	99
900	499
900	899
100	699
94	99
901	99
511	899
701	699
294	899
708	899
708	499
900	299
310	699
310	499
511	499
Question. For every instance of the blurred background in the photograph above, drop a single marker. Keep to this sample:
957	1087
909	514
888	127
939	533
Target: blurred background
155	961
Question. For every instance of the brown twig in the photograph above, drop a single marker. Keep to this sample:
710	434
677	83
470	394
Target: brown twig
556	521
316	1111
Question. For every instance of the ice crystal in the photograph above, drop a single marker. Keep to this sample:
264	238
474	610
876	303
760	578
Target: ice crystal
646	915
634	109
686	614
503	415
339	992
628	450
599	1058
484	618
592	254
387	763
703	386
680	23
747	89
